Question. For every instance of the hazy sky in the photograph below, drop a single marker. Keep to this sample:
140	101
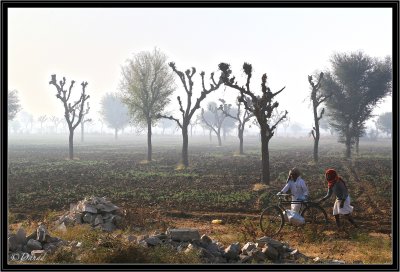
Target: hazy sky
91	45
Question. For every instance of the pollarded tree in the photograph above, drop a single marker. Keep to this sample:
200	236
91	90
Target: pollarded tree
188	113
384	122
114	112
242	117
317	98
217	119
146	86
13	104
42	119
73	112
261	106
357	83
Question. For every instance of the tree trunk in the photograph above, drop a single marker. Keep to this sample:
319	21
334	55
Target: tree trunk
219	137
357	143
210	136
149	147
71	144
82	131
185	159
316	139
116	134
265	178
224	133
241	141
348	146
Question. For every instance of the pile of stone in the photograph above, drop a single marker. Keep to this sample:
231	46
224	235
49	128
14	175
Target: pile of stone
211	251
36	244
96	211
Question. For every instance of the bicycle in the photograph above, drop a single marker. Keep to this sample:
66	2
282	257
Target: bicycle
272	219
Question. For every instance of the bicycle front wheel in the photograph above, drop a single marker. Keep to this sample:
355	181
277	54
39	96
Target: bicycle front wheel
271	221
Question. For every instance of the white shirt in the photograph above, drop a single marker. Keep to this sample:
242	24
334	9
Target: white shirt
298	189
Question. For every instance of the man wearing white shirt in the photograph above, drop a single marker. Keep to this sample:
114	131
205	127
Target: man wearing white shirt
297	187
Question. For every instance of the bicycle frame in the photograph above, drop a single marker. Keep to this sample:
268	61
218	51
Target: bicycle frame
281	202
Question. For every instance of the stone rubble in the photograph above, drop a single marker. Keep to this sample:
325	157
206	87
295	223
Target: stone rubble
96	211
36	244
264	249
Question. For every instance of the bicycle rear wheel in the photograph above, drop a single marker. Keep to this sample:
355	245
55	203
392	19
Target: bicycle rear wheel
271	221
315	216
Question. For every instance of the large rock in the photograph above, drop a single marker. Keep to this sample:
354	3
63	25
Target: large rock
271	242
108	226
206	255
88	208
88	218
42	234
257	255
248	247
21	236
183	235
12	242
109	207
205	240
153	241
214	248
98	220
78	218
271	253
33	245
232	251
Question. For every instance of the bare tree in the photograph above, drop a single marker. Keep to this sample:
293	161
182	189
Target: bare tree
218	117
73	112
42	119
317	97
261	106
56	122
241	117
189	112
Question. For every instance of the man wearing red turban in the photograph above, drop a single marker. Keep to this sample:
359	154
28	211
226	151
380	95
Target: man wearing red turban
342	205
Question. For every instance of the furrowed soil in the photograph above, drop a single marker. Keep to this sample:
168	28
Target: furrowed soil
218	184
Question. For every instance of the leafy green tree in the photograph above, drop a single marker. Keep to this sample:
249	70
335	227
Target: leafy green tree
384	122
146	86
13	104
114	113
261	106
357	83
